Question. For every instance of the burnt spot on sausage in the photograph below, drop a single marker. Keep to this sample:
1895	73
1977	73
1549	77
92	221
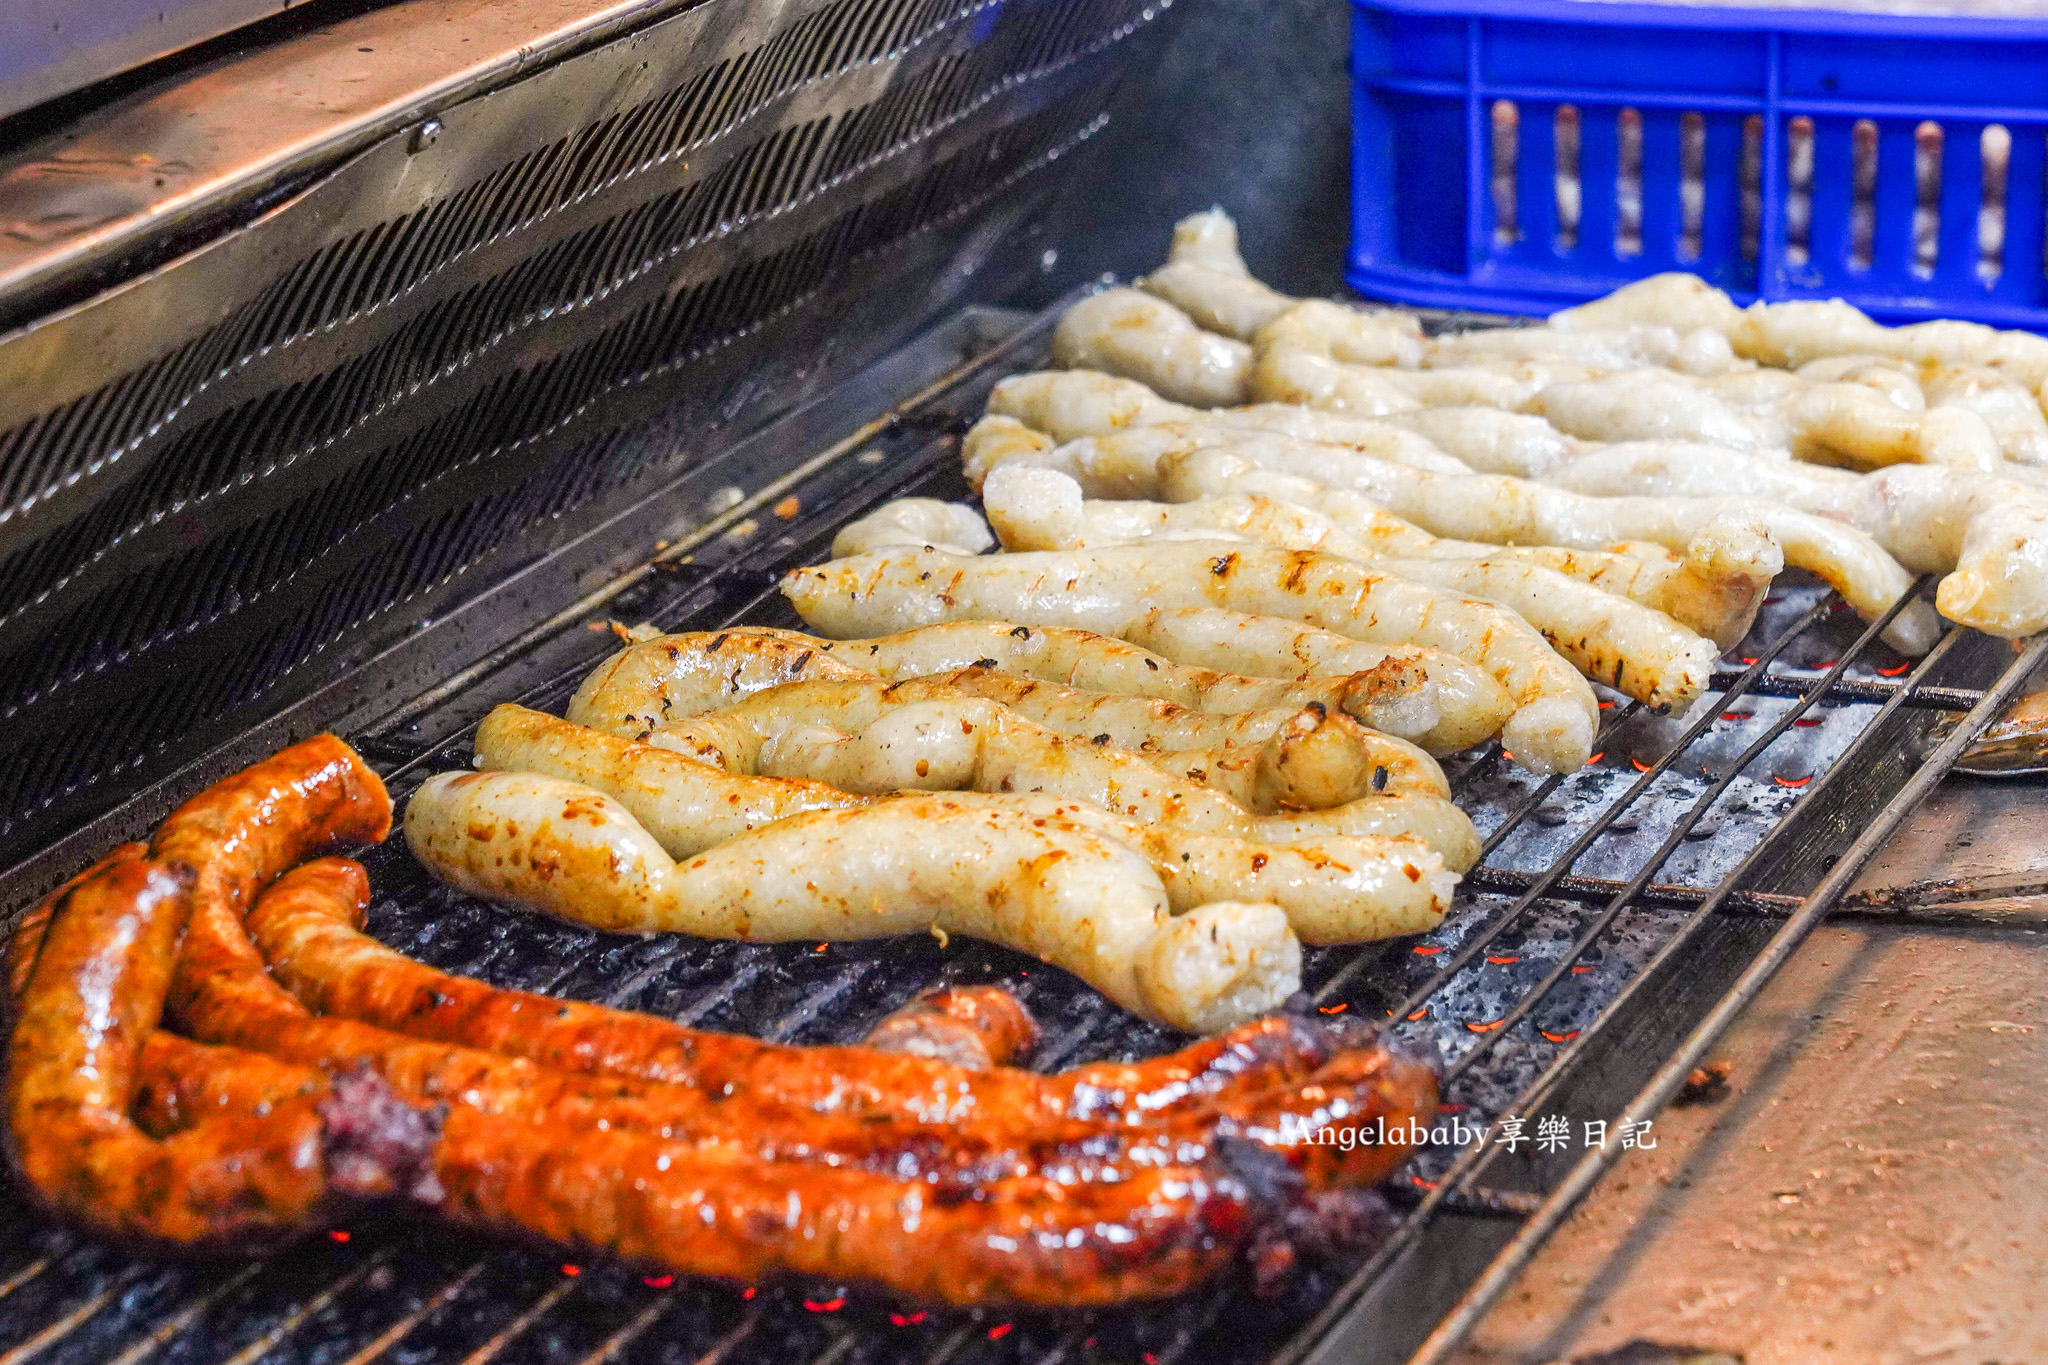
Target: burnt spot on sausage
1020	633
377	1143
1379	777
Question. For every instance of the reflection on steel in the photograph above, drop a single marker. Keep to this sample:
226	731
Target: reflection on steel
311	343
115	182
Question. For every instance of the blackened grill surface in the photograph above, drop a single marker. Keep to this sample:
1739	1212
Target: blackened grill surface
1777	773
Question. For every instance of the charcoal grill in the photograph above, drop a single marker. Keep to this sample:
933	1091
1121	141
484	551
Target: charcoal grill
1620	917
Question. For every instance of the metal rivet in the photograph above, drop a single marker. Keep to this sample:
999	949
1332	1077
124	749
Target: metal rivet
425	136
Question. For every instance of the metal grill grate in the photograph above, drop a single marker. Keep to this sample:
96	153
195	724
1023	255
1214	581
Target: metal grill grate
1597	932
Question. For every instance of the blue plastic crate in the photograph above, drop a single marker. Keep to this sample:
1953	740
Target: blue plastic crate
1522	155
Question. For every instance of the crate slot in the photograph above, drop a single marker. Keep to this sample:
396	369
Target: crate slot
1692	185
1628	183
1887	160
1928	144
1506	126
1799	190
1862	194
1994	151
1570	190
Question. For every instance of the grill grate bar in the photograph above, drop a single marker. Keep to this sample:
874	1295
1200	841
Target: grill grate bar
398	1330
1665	1084
1458	1178
950	1345
27	1274
1596	889
1477	943
71	1321
514	1329
618	1341
1549	785
1535	995
1877	690
1713	901
725	1345
307	1308
183	1318
1544	790
836	1352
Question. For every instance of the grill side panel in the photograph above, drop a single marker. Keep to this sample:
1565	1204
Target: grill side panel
427	364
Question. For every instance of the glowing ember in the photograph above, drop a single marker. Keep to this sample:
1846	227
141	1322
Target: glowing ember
658	1281
572	1271
1596	758
1338	1008
999	1331
1582	969
1559	1037
1808	722
1895	672
338	1235
1792	781
1503	961
832	1305
1486	1028
1738	715
1425	949
1639	765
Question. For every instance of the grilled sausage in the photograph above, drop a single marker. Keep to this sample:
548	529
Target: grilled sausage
317	951
971	1027
1161	732
1110	589
236	1182
1142	1214
1052	888
598	1162
1426	696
